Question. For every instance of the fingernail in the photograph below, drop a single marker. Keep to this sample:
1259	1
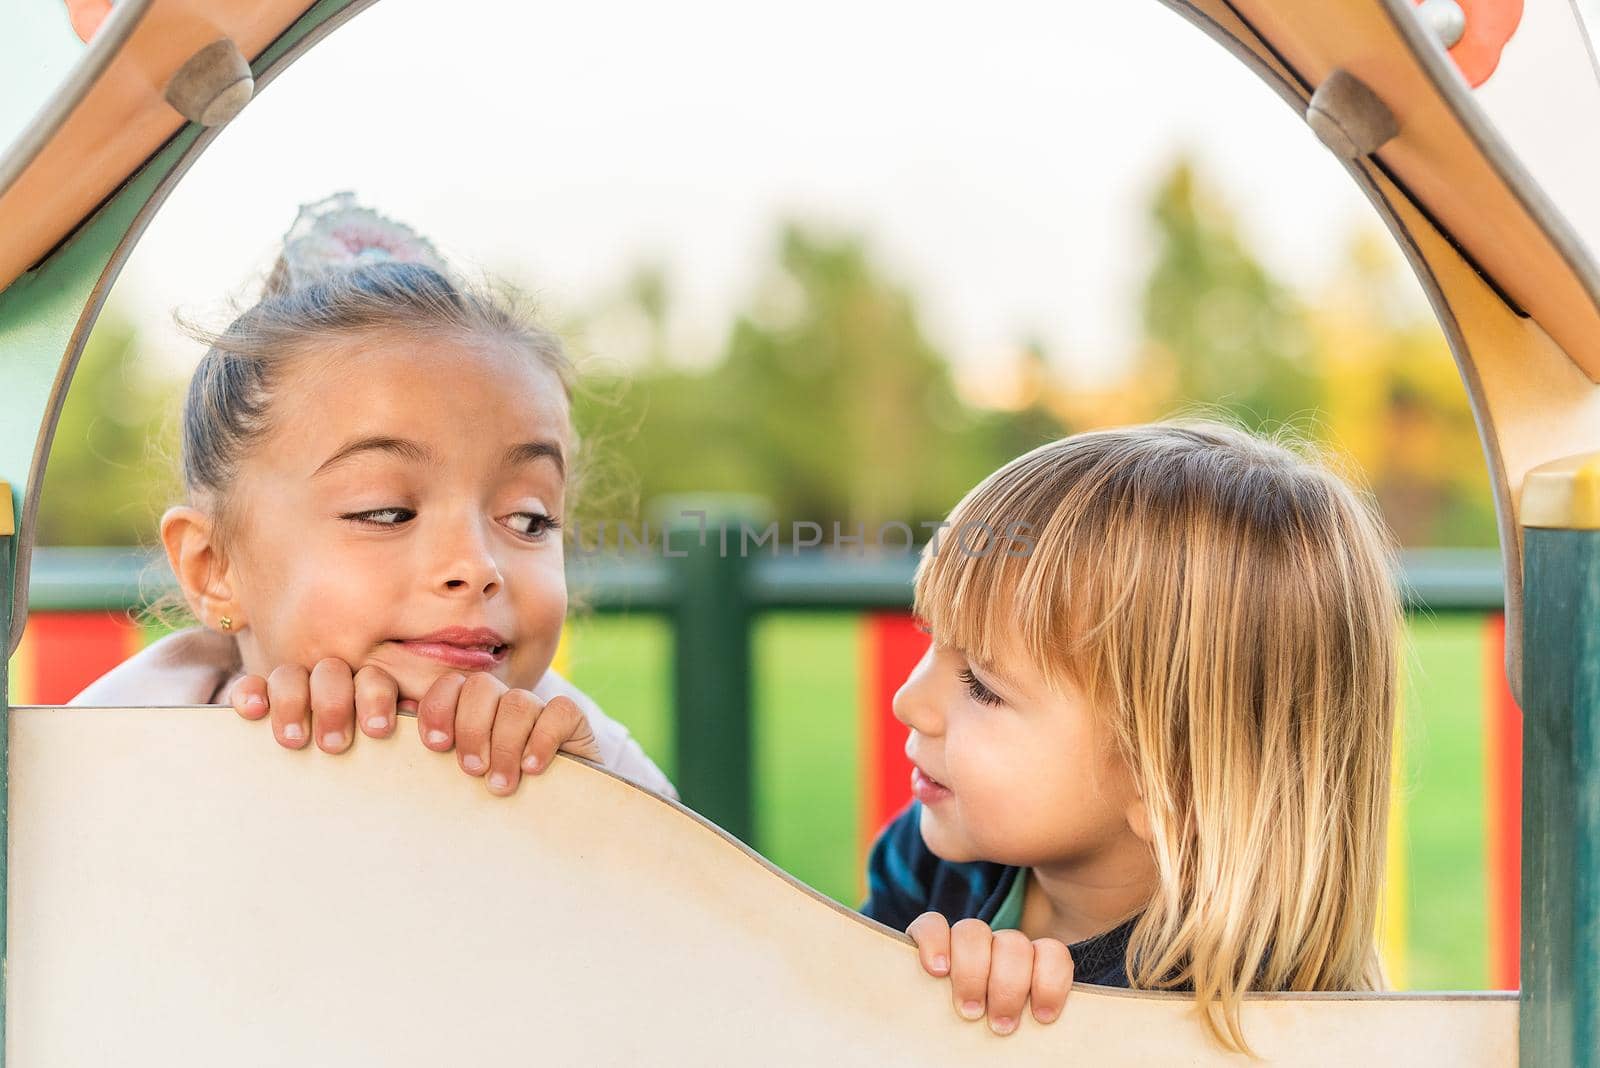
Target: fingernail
972	1009
1002	1025
498	781
437	737
941	964
471	763
255	701
530	765
377	723
1045	1015
293	732
333	740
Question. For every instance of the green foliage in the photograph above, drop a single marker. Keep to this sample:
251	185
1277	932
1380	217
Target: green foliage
1216	322
110	472
828	400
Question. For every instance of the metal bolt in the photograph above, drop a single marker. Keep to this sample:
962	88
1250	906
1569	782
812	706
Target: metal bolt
1445	18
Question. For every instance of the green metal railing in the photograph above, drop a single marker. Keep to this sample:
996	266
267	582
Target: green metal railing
713	601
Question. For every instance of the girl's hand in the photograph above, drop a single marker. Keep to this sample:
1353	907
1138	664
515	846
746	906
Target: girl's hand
325	703
495	730
994	970
499	731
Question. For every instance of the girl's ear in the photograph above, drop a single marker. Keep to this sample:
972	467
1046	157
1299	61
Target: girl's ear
202	573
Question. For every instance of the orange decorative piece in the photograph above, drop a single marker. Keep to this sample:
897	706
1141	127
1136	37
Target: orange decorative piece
1490	24
87	15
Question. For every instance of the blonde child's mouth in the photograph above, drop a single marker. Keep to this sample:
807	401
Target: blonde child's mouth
926	788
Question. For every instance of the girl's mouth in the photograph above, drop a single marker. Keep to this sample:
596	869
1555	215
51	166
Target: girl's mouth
467	650
927	789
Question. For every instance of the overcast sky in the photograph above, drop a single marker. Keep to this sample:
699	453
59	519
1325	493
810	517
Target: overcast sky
1000	159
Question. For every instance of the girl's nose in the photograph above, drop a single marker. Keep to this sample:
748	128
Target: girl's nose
916	702
469	565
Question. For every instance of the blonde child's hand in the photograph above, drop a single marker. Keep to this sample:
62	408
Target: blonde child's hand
994	971
324	703
499	731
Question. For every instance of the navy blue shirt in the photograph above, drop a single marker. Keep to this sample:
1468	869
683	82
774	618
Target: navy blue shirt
905	879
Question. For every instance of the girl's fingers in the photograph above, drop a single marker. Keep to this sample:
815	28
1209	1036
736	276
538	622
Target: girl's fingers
561	726
289	698
333	705
931	933
249	697
970	942
475	709
1052	978
513	723
436	712
377	697
1010	978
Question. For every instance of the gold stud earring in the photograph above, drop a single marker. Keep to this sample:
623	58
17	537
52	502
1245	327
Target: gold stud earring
227	622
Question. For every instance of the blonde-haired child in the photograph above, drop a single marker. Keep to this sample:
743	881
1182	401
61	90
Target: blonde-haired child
377	460
1152	733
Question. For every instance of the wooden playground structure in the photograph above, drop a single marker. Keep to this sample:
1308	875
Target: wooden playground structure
156	908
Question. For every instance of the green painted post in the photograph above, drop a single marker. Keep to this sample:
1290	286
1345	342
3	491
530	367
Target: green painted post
1560	1013
712	736
8	559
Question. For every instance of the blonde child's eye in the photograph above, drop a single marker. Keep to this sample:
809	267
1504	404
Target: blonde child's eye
978	691
381	517
533	524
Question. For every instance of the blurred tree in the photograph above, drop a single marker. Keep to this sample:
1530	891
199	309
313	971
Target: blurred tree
1218	327
110	472
839	392
828	400
1395	402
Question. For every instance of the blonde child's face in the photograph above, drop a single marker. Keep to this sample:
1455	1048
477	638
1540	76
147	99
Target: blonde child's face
1008	771
399	515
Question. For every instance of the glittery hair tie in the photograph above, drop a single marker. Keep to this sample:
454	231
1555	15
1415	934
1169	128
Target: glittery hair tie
336	234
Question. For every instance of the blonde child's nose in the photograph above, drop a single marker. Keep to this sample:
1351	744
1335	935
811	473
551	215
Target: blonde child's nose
915	703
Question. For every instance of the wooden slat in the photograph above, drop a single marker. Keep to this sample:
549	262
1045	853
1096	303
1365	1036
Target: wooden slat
1448	157
121	118
183	891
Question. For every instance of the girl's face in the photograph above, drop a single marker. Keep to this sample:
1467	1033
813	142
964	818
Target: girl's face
403	512
1008	771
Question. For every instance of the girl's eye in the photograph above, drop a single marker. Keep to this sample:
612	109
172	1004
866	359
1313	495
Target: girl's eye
978	691
382	517
533	524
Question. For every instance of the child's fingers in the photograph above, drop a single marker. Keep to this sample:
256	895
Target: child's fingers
289	695
970	942
333	705
436	712
377	695
1052	978
249	697
931	933
561	725
475	709
513	723
1010	976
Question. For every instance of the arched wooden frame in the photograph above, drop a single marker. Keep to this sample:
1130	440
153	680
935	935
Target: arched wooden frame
1514	289
1517	293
